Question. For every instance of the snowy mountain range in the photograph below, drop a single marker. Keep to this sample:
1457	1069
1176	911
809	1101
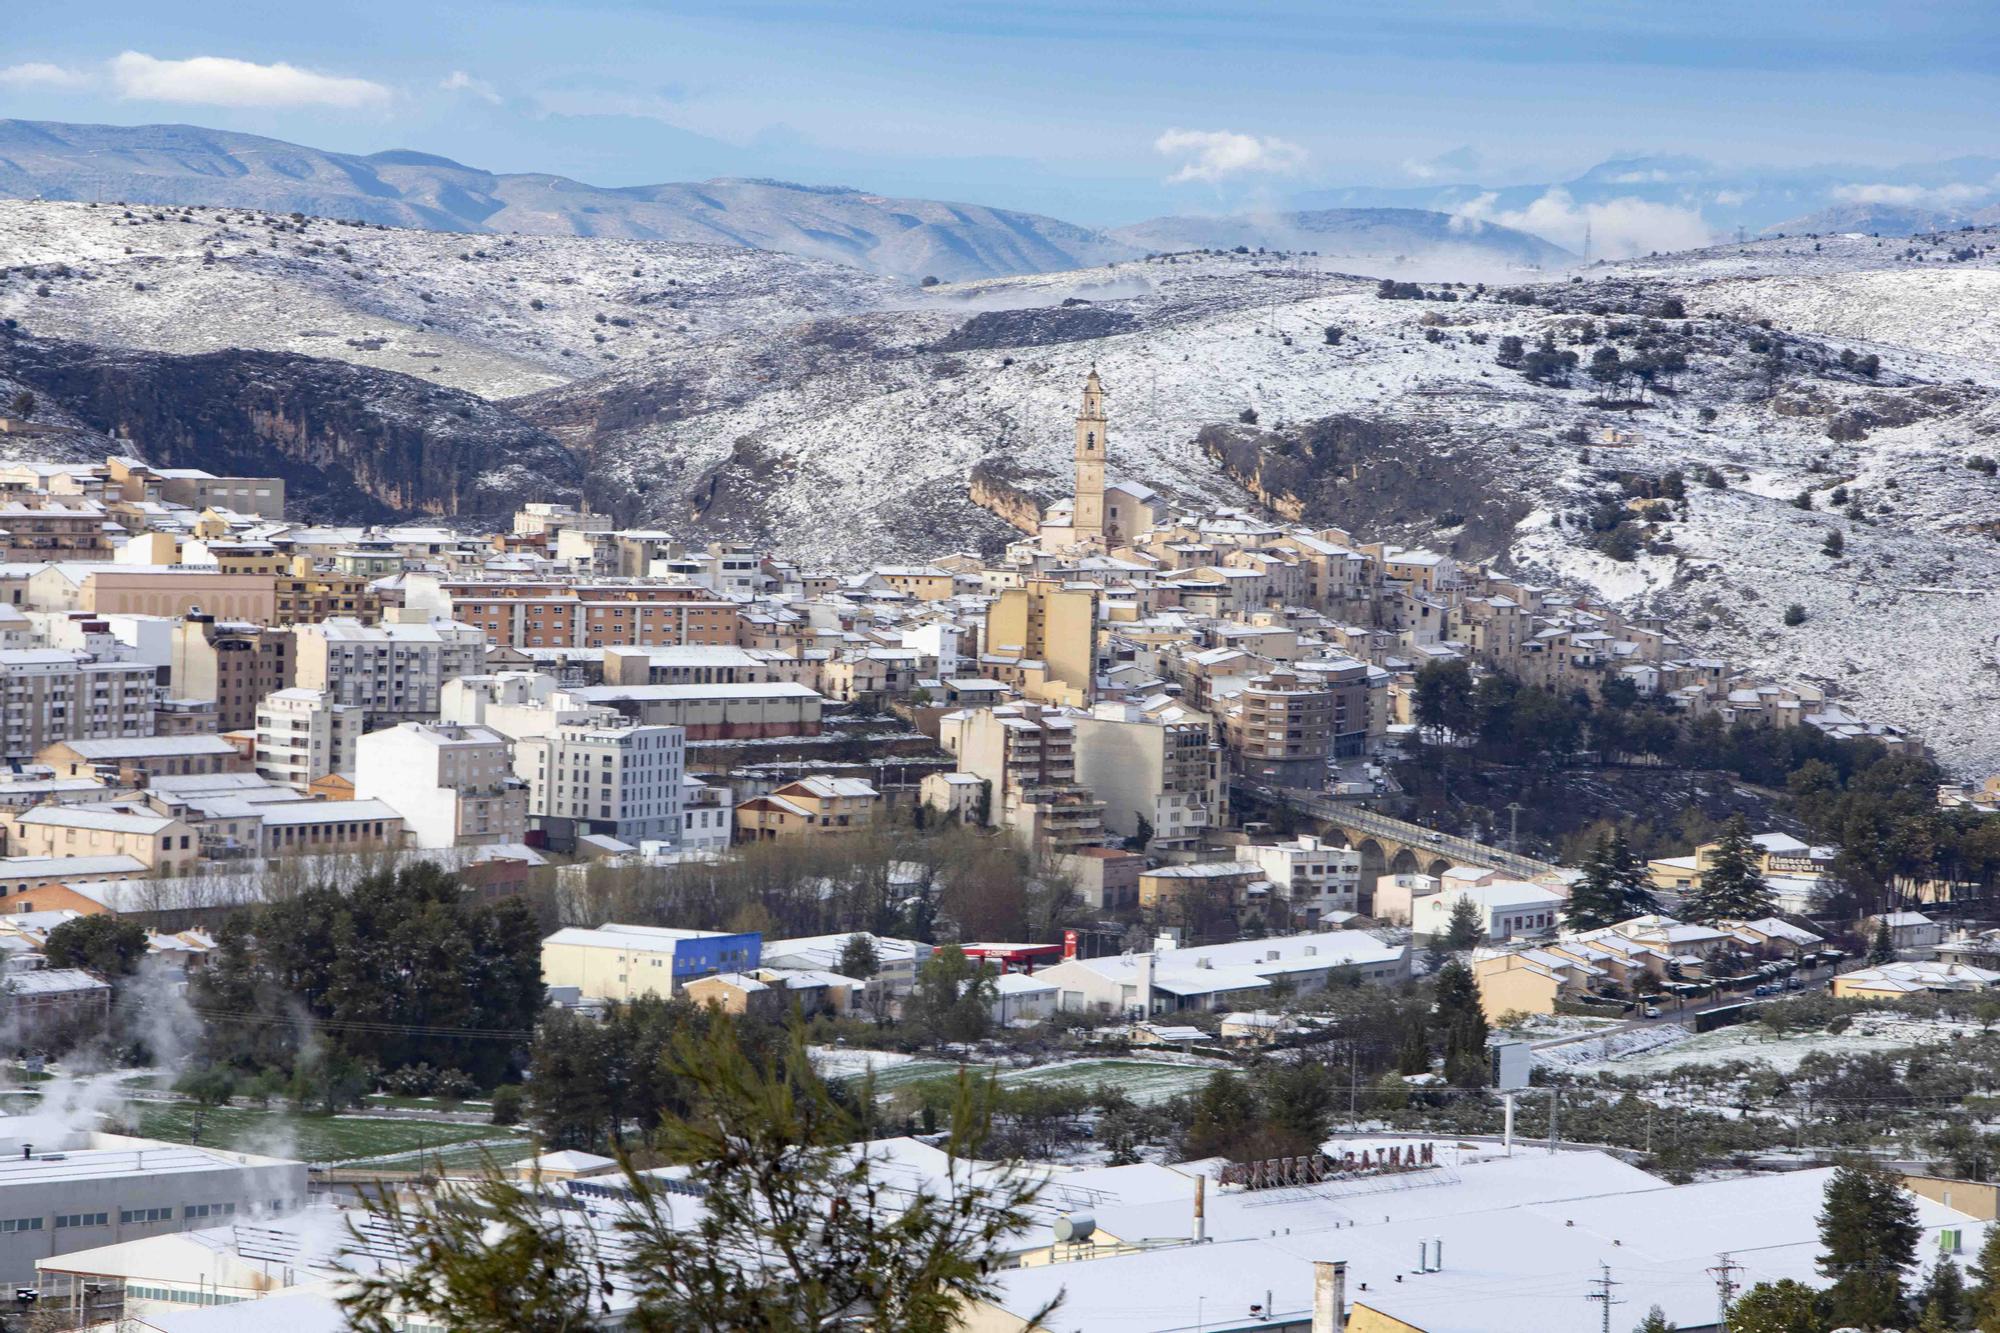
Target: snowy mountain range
910	239
837	416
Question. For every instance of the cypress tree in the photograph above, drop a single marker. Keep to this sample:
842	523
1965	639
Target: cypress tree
1464	1023
1870	1231
1628	877
1732	887
1594	899
1883	948
1984	1302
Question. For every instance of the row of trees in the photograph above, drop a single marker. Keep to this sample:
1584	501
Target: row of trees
1879	807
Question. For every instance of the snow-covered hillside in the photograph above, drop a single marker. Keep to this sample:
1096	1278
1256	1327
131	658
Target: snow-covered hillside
834	418
497	316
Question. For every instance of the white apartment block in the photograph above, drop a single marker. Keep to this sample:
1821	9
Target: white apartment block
1314	878
394	671
452	784
303	735
49	695
1169	773
623	782
517	704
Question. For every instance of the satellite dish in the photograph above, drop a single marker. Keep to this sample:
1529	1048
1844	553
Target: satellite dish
1074	1227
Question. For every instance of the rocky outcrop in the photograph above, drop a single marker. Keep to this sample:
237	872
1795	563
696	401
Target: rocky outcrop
352	443
992	487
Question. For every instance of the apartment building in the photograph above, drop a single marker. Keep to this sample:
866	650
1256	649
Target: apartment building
713	712
1026	755
394	671
620	782
1314	879
234	663
1280	728
541	519
1050	623
814	807
567	614
155	590
132	480
303	735
37	528
158	842
307	593
453	784
1159	776
49	695
133	761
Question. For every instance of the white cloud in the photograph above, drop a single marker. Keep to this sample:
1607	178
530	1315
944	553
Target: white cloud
1617	227
1931	196
1731	198
458	81
1212	155
40	74
221	81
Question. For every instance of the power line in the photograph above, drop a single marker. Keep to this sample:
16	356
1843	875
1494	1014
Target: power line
1602	1295
1725	1275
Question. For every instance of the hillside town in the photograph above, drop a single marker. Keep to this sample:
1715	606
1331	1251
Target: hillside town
1147	821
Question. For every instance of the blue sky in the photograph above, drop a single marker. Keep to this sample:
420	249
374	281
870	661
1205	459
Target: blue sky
1098	112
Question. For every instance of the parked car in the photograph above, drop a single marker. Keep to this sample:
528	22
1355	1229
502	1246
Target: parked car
1652	1011
1794	983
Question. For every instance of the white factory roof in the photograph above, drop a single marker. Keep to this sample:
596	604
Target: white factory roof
1520	1240
109	819
28	867
151	747
627	937
324	812
119	1157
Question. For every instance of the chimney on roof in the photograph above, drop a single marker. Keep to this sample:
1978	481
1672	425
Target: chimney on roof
1329	1296
1200	1209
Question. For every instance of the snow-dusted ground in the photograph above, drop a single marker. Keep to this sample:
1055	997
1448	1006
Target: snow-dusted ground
1615	1049
809	406
496	315
1754	1042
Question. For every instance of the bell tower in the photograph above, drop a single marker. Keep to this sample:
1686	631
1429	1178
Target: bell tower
1087	517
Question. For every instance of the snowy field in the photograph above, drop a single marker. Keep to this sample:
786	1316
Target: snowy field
1144	1081
1754	1042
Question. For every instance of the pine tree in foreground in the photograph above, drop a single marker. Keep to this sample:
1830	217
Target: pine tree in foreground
793	1230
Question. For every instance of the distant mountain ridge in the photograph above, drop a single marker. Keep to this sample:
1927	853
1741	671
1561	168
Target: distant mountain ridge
1353	231
910	239
186	164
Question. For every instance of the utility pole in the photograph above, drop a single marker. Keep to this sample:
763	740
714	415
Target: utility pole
1555	1113
1602	1295
1724	1272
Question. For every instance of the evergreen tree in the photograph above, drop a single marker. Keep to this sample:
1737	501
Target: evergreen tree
1414	1055
1463	1021
791	1237
1882	949
1220	1116
1983	1305
1628	877
1869	1229
1464	929
101	943
1656	1321
1785	1306
858	958
1943	1298
1732	888
1594	899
